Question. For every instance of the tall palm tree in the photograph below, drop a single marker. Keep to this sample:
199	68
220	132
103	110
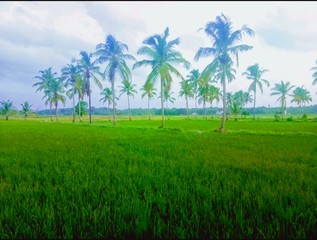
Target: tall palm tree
6	108
282	89
187	90
224	45
112	52
26	109
301	96
128	88
314	74
69	73
162	56
45	78
193	77
149	91
55	93
254	73
107	97
88	68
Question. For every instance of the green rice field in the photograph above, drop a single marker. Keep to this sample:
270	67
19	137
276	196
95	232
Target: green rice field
135	180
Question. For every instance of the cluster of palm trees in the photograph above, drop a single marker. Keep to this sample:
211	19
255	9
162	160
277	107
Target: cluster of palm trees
7	108
108	62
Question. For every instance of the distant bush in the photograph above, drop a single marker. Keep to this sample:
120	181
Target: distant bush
290	119
277	117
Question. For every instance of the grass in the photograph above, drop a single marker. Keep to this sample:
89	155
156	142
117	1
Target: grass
76	180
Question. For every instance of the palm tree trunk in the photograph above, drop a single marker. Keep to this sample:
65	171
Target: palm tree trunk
109	111
129	108
113	103
162	104
196	104
89	99
204	106
148	107
224	108
73	103
254	105
7	118
187	107
51	112
56	110
79	112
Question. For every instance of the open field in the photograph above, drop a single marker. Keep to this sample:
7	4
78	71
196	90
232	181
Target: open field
70	180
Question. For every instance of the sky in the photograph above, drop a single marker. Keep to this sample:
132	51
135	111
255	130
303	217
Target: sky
38	35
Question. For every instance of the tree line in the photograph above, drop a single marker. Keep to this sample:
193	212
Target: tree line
108	62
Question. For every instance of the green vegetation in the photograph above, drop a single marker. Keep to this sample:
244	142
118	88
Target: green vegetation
80	180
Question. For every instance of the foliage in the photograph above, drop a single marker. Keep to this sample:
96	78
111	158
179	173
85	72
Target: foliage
225	45
162	58
82	106
6	108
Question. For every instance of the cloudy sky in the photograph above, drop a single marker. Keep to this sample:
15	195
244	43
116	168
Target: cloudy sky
38	35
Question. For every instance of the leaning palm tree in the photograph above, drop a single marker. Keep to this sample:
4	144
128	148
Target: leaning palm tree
187	90
301	96
254	73
128	88
149	91
26	109
6	108
193	77
314	74
45	78
224	45
282	90
69	73
88	68
107	97
112	52
162	56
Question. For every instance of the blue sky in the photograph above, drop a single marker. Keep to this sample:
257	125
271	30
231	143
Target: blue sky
38	35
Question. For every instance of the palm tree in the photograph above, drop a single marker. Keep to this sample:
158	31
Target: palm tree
314	74
54	93
214	94
26	109
167	97
149	91
187	90
301	96
254	73
128	88
44	83
282	90
112	52
224	44
203	93
193	77
88	68
162	56
6	108
69	76
78	89
107	97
